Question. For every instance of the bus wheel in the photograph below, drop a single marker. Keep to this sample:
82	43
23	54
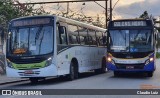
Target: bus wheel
150	74
116	73
103	69
73	71
33	80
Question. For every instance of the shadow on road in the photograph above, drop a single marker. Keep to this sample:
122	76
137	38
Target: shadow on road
51	80
132	76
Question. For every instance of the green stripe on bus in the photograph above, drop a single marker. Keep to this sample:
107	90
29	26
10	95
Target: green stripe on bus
29	66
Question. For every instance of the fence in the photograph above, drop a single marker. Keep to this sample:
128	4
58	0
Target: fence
2	61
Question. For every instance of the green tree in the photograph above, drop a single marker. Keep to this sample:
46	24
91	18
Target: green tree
144	15
8	11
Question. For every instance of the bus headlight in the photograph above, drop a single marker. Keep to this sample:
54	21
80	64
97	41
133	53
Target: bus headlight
151	59
109	59
48	61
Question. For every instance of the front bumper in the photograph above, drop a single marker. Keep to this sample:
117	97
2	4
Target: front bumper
148	67
41	72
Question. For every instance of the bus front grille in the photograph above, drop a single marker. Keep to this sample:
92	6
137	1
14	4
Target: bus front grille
26	61
133	66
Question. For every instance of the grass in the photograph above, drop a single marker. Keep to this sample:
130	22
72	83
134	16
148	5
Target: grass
157	55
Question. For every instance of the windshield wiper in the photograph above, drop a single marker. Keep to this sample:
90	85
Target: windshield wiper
148	37
124	37
15	42
41	41
139	31
38	33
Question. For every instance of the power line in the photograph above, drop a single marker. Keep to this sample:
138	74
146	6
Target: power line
115	4
99	4
71	1
60	2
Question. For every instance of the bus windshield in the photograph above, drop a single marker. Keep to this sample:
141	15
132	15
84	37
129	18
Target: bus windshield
131	40
37	40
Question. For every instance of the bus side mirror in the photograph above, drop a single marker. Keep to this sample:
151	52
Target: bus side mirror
62	29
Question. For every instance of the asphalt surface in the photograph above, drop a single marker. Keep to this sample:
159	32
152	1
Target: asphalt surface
90	80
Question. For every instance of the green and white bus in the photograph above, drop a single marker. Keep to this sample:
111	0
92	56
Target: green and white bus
44	46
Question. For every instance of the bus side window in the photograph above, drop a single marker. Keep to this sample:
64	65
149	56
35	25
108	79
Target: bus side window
62	35
89	42
104	39
92	37
78	39
73	34
57	36
86	40
82	40
99	38
96	38
73	39
83	35
70	39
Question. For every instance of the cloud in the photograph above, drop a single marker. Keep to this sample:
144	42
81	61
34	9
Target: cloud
124	8
90	8
136	9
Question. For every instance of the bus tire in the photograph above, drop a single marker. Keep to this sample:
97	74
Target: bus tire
73	70
97	71
34	80
116	73
150	74
103	69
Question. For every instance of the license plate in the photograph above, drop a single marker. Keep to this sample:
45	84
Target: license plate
29	72
129	67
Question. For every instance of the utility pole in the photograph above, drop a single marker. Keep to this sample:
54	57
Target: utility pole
110	10
106	13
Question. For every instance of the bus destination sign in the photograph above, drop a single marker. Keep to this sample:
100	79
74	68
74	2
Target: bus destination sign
129	23
29	22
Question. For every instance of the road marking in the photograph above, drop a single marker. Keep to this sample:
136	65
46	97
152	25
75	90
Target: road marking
149	86
12	96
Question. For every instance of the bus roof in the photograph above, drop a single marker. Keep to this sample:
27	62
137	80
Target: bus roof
131	19
74	22
131	23
67	20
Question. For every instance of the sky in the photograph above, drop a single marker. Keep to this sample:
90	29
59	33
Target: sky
137	8
123	9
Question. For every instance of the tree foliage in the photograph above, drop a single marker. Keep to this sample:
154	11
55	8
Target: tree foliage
144	15
8	11
82	18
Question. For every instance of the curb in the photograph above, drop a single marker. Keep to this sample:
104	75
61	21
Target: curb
8	82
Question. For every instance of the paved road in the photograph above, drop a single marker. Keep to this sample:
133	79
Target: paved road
94	81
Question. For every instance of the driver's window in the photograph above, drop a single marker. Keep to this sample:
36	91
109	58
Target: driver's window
62	35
